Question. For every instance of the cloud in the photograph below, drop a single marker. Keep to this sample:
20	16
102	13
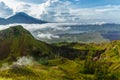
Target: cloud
61	11
5	11
13	4
43	31
34	27
50	9
46	36
35	10
103	13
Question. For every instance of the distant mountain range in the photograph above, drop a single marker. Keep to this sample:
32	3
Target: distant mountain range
21	18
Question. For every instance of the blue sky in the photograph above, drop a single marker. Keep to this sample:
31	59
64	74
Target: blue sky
95	3
65	10
34	1
82	3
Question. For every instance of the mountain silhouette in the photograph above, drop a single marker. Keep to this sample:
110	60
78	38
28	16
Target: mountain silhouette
21	18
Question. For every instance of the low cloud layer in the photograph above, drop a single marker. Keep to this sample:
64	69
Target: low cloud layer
43	31
46	36
54	31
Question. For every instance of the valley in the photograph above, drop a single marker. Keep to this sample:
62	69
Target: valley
23	57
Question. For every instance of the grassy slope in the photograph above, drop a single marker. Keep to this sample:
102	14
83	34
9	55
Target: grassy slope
110	57
16	42
65	61
58	69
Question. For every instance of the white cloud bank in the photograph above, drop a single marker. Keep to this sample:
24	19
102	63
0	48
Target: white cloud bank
46	36
36	28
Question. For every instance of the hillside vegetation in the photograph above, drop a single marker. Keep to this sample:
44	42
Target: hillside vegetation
22	57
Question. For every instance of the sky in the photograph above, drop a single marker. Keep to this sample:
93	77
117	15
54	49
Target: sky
76	11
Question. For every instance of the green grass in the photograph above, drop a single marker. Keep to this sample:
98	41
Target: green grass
60	61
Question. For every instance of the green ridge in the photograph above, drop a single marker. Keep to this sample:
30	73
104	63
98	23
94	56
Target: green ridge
60	61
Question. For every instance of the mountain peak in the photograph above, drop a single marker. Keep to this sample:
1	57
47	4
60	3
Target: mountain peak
22	17
17	42
14	31
21	14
